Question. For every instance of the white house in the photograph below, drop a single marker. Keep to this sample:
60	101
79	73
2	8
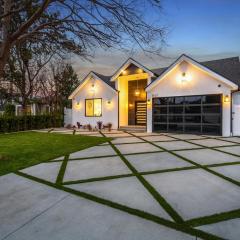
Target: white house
188	97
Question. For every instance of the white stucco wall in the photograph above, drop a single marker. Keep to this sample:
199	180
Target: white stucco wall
236	113
199	83
101	90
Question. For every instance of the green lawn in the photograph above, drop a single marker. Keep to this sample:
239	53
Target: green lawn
23	149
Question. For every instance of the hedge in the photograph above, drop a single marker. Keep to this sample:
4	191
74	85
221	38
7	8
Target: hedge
22	123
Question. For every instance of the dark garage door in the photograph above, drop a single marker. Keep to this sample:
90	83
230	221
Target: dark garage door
190	114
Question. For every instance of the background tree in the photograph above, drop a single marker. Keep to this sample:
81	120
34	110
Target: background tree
24	65
57	83
78	26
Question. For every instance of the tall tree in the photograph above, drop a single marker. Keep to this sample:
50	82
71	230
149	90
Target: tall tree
23	68
57	84
77	26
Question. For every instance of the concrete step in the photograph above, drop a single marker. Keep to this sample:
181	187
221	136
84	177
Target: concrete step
133	128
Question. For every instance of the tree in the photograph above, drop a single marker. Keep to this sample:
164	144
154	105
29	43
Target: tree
77	26
57	83
23	68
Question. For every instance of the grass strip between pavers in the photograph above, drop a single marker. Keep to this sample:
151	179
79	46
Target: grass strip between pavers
62	170
136	212
144	173
194	163
163	203
97	179
206	168
218	217
215	217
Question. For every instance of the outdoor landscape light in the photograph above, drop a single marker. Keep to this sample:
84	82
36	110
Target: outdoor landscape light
226	98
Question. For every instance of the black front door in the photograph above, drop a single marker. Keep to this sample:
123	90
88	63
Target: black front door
191	114
141	113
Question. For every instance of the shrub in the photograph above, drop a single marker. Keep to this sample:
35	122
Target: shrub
27	122
9	110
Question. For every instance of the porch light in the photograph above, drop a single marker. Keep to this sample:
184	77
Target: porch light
109	102
148	101
124	72
140	70
137	92
226	98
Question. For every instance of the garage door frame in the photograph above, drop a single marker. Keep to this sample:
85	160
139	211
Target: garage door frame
204	114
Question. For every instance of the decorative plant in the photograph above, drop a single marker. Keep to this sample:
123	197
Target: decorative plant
89	127
109	125
99	125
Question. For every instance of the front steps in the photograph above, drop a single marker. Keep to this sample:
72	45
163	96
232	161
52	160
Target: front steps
133	128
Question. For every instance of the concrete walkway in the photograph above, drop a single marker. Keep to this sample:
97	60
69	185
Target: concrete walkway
138	186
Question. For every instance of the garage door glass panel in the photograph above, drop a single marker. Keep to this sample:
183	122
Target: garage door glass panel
211	99
213	119
193	109
193	119
176	110
193	100
212	109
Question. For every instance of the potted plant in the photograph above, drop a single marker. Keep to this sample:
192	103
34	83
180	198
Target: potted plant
99	125
109	125
89	127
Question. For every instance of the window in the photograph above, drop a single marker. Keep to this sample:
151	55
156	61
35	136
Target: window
93	107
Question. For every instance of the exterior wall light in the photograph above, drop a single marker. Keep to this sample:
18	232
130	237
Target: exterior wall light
140	70
124	72
148	101
184	78
92	88
226	98
109	102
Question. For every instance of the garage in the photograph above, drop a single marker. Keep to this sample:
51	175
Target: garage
201	114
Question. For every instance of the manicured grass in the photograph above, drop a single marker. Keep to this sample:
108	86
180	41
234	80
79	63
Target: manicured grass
23	149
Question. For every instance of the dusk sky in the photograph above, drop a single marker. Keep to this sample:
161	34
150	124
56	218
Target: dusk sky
204	30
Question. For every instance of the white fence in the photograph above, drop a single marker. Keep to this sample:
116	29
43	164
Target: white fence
67	116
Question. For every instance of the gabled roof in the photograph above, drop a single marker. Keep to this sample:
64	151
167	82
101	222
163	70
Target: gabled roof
98	76
165	71
126	64
106	79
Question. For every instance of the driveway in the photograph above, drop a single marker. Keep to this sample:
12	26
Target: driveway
138	186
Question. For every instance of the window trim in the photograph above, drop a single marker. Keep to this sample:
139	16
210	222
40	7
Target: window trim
93	106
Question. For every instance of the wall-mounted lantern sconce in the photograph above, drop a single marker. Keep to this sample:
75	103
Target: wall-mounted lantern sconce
92	89
140	70
184	77
130	105
78	102
109	102
148	101
226	98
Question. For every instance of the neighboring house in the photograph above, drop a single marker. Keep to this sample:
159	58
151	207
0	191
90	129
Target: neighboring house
188	97
38	105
